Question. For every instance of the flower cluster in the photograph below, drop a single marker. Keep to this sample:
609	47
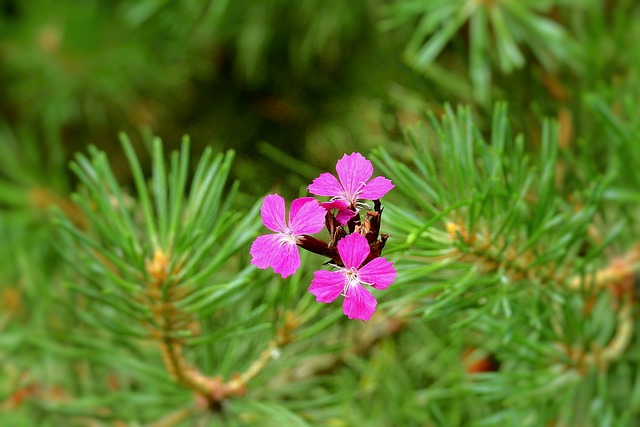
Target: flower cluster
355	244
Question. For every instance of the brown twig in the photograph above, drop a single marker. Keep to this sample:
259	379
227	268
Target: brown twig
619	271
168	319
602	357
42	198
517	265
491	257
617	278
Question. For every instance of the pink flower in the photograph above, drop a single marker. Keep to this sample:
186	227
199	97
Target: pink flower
353	172
344	213
279	250
348	281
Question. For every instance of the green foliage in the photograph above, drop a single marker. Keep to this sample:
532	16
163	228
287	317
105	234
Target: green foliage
153	248
496	28
502	254
127	296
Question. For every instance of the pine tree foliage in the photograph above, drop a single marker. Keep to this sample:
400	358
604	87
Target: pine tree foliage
496	29
149	261
127	296
503	255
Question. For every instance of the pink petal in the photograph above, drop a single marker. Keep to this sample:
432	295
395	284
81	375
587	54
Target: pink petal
272	211
344	216
270	250
344	213
306	216
376	188
263	248
353	250
286	260
327	285
325	185
353	171
378	272
359	303
336	204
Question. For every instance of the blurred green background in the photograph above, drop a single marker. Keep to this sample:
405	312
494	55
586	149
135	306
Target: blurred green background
282	81
307	79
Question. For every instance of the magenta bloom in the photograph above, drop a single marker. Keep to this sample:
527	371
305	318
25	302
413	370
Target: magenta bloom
279	250
354	172
344	213
348	281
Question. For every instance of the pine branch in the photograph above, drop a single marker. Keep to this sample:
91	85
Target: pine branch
501	251
155	273
499	34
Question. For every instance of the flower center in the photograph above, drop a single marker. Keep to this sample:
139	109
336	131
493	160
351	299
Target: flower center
351	275
352	198
351	195
287	237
